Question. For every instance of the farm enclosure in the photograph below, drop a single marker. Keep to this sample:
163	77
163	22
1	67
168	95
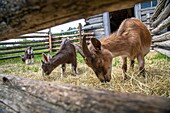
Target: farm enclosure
10	87
41	42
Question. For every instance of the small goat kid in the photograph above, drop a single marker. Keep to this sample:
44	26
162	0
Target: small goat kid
66	54
132	40
28	56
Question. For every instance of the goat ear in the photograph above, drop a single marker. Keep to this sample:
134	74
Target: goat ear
96	43
45	57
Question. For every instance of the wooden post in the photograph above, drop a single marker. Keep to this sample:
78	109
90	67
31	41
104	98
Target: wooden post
79	31
106	21
50	41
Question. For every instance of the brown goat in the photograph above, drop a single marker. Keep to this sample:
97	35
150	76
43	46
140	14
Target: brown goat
132	40
66	54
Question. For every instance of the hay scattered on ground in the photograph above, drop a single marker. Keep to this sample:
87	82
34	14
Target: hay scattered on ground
157	81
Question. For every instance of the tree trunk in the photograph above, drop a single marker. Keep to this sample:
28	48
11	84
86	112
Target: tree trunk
25	16
30	96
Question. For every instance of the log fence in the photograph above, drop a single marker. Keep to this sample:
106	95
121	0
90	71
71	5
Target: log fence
160	23
41	42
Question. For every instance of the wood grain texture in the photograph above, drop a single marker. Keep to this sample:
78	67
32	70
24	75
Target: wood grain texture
25	16
30	96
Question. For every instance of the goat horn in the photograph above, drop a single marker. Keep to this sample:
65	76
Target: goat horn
85	48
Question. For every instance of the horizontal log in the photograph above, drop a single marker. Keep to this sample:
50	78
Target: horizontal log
162	37
163	51
151	10
163	15
161	26
162	44
40	32
158	9
19	51
74	31
21	17
26	95
73	35
21	47
55	49
18	56
95	16
19	42
93	26
95	20
32	36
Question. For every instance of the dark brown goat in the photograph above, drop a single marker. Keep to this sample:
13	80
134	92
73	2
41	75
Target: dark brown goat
131	40
66	54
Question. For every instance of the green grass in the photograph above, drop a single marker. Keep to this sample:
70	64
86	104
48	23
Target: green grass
162	57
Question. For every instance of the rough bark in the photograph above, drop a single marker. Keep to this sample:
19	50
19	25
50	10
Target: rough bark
161	26
31	96
158	9
162	37
164	14
165	44
26	16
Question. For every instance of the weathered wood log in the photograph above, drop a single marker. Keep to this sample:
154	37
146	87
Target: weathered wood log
19	51
93	26
163	51
95	20
21	47
162	44
94	16
73	35
18	56
158	9
21	16
161	26
164	14
45	36
162	37
19	42
30	96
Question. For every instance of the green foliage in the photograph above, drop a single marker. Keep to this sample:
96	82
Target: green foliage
116	62
80	58
162	57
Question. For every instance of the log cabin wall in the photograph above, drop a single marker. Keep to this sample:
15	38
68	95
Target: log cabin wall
102	25
161	27
95	24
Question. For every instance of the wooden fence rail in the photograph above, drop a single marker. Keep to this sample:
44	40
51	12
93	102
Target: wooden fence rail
42	42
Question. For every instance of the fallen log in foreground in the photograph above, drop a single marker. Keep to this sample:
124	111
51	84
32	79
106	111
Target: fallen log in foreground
30	96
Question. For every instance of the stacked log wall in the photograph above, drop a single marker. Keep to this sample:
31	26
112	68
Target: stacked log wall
160	22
